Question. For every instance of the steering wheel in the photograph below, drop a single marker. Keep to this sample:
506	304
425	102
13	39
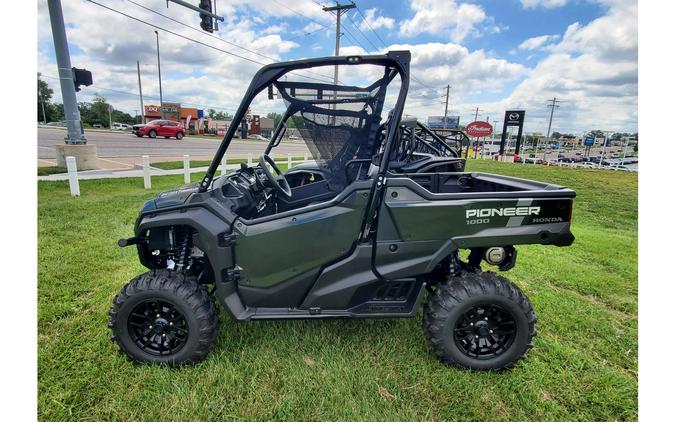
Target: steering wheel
278	182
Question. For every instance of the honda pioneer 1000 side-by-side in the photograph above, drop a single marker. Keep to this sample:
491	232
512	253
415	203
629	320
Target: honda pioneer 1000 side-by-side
367	230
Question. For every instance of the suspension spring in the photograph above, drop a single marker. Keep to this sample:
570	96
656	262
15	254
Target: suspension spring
184	245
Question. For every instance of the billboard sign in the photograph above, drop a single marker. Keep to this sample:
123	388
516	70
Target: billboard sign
589	141
479	129
443	121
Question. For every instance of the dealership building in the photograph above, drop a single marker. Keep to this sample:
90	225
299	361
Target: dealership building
188	117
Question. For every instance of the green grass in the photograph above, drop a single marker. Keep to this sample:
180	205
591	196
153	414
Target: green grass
45	171
583	365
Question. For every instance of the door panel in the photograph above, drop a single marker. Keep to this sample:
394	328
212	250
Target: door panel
275	251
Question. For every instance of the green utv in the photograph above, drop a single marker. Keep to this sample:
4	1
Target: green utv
367	230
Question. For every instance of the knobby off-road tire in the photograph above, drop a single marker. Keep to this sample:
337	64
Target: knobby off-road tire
161	317
467	321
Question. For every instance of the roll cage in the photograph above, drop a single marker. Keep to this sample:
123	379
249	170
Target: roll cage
396	63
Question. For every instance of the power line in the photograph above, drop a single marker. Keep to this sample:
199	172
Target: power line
371	28
361	32
216	37
188	38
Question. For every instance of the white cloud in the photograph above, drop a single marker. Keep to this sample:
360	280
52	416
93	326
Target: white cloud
535	43
594	69
376	22
548	4
441	17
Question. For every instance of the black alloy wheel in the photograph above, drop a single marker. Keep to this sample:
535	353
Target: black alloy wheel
485	331
158	327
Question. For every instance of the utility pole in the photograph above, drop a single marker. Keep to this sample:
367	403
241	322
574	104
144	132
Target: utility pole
447	96
110	116
159	70
339	9
475	116
140	90
72	114
553	106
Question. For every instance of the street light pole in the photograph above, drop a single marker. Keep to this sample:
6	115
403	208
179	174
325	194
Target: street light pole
140	90
159	70
72	114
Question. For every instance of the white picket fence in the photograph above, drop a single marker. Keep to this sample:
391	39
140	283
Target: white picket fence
148	171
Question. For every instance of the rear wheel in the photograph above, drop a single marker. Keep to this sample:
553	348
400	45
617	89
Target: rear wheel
179	135
479	321
161	317
152	134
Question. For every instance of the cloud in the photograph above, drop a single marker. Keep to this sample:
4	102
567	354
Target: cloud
535	43
548	4
376	22
594	69
441	17
191	73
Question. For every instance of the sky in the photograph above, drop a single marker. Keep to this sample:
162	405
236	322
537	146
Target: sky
496	55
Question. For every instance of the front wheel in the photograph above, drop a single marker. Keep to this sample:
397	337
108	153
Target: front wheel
152	134
162	317
479	321
179	135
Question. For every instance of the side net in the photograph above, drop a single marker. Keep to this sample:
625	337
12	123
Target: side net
339	124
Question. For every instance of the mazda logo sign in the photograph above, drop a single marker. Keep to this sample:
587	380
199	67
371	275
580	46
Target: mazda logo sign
514	116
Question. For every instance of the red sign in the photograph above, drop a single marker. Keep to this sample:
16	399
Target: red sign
479	129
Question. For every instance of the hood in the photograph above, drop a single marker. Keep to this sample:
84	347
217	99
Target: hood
171	198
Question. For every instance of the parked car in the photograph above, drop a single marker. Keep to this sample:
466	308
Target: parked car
258	137
57	124
97	126
155	128
121	126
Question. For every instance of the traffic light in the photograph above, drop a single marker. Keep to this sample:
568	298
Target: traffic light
81	77
207	21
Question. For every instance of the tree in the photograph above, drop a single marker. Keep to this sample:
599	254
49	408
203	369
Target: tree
218	115
274	116
44	96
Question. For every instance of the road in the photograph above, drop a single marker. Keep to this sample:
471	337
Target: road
125	145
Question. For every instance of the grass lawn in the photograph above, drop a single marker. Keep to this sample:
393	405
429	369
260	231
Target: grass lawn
45	171
583	365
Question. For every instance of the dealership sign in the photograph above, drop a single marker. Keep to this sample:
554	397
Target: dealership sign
479	129
589	141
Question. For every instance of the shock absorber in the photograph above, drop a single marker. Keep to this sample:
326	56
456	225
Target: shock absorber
183	247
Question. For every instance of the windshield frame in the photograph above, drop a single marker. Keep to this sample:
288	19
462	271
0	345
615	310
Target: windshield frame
266	76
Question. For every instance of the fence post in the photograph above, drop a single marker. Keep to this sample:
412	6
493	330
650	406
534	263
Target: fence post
72	176
223	166
147	184
290	161
250	159
186	168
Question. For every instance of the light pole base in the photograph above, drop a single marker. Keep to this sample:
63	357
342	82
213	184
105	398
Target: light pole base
86	156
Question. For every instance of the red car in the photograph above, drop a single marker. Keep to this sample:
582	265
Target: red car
155	128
